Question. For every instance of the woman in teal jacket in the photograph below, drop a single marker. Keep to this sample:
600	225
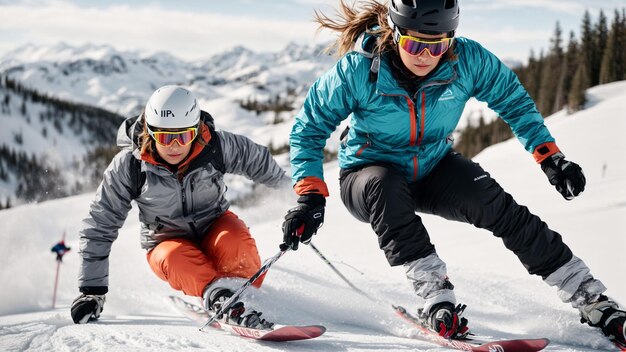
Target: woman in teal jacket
404	87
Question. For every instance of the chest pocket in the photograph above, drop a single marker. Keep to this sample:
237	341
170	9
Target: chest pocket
159	198
443	110
207	190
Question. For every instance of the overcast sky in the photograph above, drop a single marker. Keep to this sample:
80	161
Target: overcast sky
197	29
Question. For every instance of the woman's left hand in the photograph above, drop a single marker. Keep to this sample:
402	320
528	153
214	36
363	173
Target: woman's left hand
566	176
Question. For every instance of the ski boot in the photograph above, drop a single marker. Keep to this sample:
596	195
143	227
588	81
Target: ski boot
252	319
606	315
445	319
236	314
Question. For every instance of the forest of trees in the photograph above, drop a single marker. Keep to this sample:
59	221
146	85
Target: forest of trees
558	78
276	104
37	180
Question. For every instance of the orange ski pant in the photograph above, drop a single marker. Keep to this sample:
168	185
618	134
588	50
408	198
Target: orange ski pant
228	250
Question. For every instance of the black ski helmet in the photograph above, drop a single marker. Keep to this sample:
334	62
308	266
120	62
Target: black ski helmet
425	16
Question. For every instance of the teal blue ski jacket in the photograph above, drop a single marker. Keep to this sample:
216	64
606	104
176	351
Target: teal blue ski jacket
411	131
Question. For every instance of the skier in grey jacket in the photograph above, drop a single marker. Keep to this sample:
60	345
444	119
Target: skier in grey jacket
172	164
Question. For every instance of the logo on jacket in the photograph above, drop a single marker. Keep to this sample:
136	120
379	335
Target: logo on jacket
447	95
480	177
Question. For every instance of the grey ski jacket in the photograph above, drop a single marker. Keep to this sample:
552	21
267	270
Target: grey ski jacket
169	206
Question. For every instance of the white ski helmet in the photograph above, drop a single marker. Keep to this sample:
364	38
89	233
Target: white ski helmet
172	107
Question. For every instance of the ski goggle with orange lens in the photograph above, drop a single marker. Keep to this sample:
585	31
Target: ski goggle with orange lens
416	46
166	138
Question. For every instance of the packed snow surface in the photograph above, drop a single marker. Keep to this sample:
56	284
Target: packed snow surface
503	300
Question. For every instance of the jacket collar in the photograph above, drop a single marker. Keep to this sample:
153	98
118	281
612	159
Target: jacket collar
387	85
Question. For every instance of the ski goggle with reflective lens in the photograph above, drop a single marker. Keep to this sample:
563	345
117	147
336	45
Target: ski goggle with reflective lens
416	46
166	138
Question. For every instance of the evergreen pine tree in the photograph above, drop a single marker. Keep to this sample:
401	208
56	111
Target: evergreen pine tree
550	75
576	96
609	68
582	78
600	38
586	47
567	72
620	48
532	75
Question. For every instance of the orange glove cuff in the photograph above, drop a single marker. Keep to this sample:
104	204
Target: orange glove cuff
544	151
311	184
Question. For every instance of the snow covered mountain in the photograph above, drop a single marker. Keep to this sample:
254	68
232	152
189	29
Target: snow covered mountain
247	92
256	94
503	300
121	81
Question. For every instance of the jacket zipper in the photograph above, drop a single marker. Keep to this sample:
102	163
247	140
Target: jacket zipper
413	118
421	135
192	226
414	139
422	119
184	201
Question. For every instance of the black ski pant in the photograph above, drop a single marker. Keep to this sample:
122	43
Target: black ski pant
456	189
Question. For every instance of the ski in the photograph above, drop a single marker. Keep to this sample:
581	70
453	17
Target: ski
473	344
621	346
280	333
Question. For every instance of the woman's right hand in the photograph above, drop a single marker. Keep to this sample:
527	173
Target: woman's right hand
303	221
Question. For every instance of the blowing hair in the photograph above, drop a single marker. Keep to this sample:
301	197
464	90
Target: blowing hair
146	143
364	16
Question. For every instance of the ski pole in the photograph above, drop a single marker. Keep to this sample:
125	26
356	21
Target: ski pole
344	278
56	285
266	266
56	277
339	273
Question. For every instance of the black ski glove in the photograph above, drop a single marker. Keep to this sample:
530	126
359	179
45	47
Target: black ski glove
303	221
88	306
566	176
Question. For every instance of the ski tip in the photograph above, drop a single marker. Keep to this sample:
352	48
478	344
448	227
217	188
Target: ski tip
312	330
321	328
524	345
399	309
294	333
546	342
538	344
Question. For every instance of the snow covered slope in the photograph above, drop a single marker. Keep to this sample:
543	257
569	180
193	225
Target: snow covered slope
503	300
